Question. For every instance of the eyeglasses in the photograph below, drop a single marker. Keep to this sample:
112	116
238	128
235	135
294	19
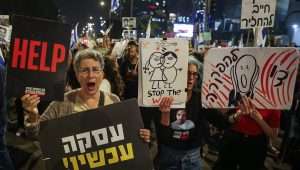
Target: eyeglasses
87	70
193	74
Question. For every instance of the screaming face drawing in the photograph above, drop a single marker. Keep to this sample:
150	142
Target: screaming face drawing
244	75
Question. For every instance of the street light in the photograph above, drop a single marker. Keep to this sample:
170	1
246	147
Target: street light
295	26
102	3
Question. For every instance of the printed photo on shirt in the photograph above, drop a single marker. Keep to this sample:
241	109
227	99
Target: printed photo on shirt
181	122
182	126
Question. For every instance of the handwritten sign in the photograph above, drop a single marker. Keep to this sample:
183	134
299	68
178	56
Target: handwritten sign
267	75
258	13
105	138
163	68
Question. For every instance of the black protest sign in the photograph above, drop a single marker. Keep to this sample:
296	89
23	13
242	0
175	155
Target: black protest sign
106	138
39	52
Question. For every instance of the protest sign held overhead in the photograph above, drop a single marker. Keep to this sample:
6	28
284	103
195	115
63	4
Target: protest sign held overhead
129	35
163	67
258	13
105	138
267	75
5	30
119	48
39	52
129	22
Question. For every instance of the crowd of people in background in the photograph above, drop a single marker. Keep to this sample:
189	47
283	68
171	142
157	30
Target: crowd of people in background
97	77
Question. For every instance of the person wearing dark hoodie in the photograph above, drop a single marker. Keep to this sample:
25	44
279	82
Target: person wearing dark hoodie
5	161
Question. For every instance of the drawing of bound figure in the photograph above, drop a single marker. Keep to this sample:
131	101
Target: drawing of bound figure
170	59
161	67
154	68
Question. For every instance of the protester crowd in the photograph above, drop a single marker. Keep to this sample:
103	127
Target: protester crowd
97	77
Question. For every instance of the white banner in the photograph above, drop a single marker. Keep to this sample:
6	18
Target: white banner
258	13
267	75
163	71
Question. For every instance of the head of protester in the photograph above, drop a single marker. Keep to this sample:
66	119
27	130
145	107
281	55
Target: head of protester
133	51
88	66
129	70
193	73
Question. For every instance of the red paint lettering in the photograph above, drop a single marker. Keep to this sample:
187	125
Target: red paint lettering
59	53
33	54
43	66
19	54
156	100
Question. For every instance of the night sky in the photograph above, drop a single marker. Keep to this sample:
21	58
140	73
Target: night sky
79	10
74	10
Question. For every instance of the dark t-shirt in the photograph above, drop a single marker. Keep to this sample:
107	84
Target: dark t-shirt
185	132
185	136
130	81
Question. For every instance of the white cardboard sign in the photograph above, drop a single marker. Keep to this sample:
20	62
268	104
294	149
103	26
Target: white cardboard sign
258	13
163	71
267	75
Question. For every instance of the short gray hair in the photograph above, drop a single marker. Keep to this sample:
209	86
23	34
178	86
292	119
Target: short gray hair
87	54
193	60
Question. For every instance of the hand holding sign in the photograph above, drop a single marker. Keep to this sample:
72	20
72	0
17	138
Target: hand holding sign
247	108
145	135
165	104
165	108
244	105
29	104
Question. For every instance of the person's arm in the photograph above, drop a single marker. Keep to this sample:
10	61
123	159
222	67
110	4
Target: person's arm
232	118
247	107
145	135
32	118
271	132
165	108
29	104
31	114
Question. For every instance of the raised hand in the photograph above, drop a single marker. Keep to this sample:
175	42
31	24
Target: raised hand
165	108
29	104
145	135
165	104
247	107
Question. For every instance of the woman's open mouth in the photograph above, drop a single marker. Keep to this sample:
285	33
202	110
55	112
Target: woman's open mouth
91	86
